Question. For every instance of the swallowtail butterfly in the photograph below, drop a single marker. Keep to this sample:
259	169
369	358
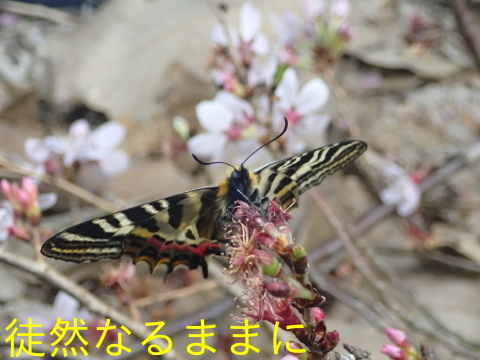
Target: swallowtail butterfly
182	229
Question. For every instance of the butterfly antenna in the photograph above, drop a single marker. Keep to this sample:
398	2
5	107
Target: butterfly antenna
210	163
261	147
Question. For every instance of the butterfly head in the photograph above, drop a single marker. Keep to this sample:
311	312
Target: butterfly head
240	180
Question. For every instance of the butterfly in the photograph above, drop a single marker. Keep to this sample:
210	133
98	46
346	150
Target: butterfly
183	229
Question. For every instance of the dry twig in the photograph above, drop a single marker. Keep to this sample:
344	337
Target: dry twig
176	294
382	211
465	26
446	336
62	184
86	298
37	11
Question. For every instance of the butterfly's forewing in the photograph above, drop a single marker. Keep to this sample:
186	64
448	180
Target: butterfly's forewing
287	179
180	229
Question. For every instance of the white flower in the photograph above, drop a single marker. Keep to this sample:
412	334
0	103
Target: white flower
7	218
47	201
36	151
288	29
262	72
68	308
312	9
249	37
219	36
232	129
301	109
64	306
340	8
403	191
83	145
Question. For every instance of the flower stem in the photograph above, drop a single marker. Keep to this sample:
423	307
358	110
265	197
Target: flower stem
37	243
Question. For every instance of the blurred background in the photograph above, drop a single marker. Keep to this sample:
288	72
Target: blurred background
103	102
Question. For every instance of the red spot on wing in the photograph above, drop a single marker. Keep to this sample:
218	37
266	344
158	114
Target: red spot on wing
199	250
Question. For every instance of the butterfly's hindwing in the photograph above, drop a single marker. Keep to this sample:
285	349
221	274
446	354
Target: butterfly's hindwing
180	229
287	179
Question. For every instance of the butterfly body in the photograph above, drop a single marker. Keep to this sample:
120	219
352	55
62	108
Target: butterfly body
183	229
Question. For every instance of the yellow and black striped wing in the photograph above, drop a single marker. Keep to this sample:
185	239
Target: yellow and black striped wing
287	179
180	229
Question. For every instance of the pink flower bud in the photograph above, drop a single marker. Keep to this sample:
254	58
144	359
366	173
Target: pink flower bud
30	187
24	199
397	336
10	192
6	189
318	314
20	232
52	168
331	340
29	206
394	352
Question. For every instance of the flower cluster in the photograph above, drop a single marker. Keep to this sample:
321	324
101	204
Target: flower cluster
63	154
311	40
259	86
317	38
22	208
402	350
272	293
250	45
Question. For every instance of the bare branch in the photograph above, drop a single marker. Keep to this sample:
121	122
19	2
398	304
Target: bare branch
176	294
38	11
86	298
62	184
465	26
